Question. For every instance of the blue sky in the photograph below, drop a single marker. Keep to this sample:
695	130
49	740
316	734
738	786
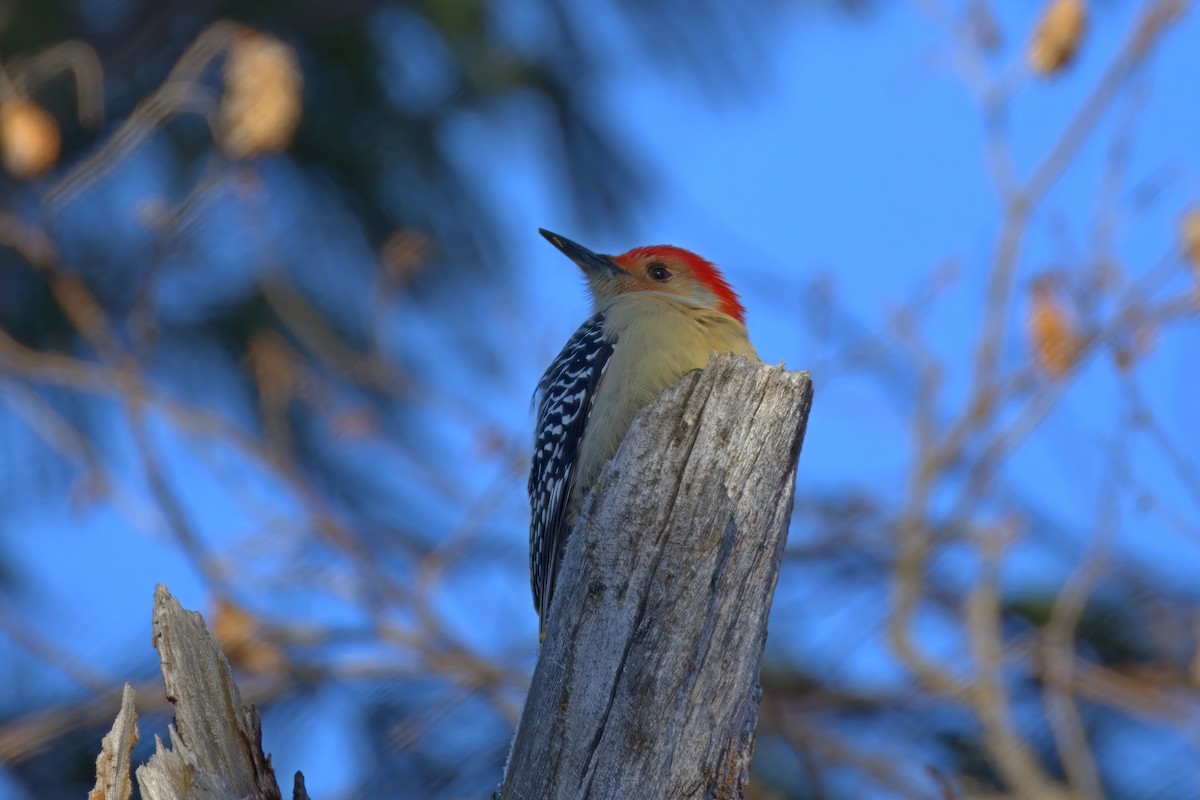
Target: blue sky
854	154
858	155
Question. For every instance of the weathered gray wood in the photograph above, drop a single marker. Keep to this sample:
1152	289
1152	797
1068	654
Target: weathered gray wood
647	682
216	742
299	790
112	765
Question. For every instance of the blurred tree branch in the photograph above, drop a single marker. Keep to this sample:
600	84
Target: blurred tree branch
242	318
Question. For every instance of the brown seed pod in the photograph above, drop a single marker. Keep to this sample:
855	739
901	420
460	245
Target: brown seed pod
1051	332
1189	232
261	105
29	139
1057	37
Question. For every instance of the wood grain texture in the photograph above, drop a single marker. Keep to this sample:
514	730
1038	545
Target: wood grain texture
112	765
216	742
647	682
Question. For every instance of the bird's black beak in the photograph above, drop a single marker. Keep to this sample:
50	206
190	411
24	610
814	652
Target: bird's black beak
592	264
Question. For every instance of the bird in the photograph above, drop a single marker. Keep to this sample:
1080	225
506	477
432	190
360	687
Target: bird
658	312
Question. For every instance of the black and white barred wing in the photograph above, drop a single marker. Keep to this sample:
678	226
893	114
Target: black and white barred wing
564	400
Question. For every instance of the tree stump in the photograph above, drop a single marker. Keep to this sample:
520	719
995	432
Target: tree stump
647	682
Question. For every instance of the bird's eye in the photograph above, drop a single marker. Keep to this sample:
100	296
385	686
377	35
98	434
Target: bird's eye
658	272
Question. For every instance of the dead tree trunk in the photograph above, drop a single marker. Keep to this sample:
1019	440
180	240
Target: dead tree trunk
216	742
215	746
647	682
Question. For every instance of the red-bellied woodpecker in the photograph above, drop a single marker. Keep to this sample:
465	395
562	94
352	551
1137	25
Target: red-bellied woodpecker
657	313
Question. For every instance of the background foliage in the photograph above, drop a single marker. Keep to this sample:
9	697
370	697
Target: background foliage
272	304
